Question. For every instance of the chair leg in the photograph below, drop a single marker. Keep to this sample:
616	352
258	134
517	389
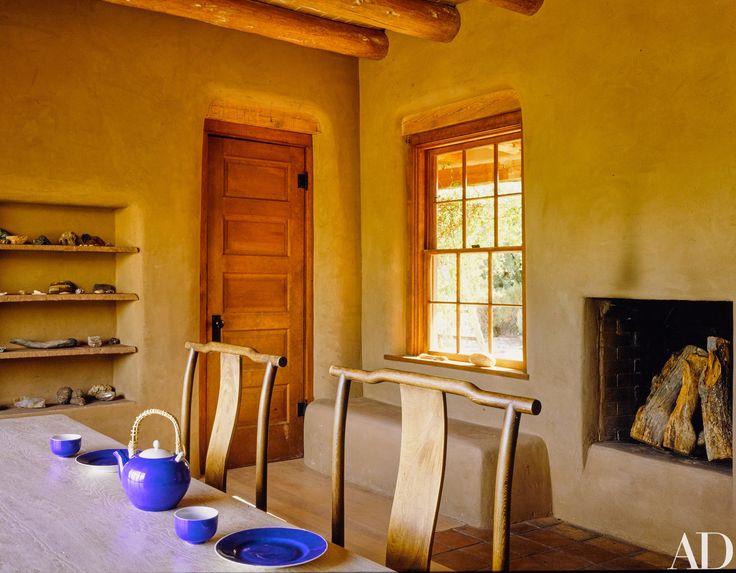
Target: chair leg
264	411
338	462
186	400
502	493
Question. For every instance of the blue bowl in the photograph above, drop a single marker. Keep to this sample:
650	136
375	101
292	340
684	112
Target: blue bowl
65	445
195	524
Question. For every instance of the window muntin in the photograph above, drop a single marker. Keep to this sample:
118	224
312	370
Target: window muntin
474	250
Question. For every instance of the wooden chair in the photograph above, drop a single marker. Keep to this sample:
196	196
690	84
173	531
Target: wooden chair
228	406
422	462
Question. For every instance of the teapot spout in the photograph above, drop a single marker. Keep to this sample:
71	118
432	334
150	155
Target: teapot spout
122	457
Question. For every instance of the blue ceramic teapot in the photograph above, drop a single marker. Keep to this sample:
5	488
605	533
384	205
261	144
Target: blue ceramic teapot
154	479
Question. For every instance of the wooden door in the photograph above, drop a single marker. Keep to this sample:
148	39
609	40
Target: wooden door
257	221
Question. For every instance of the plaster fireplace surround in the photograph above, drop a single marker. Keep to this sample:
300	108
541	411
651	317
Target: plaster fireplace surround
630	344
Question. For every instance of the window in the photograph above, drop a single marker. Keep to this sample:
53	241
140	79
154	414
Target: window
467	253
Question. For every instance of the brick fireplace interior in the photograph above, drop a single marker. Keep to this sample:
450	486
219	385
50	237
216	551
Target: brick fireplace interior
633	340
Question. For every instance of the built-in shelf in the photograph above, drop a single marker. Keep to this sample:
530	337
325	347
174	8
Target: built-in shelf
13	412
91	297
25	353
69	249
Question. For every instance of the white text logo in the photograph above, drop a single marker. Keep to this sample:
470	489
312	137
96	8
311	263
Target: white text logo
688	554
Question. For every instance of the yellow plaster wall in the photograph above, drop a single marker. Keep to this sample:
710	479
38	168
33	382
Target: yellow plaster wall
629	110
104	106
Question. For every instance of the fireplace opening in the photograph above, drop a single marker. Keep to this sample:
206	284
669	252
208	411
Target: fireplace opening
638	341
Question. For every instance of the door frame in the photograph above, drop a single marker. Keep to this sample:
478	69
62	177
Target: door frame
261	135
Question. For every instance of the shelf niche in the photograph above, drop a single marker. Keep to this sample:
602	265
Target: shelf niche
40	372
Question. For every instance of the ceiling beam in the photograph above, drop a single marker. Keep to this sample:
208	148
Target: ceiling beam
274	22
428	20
528	7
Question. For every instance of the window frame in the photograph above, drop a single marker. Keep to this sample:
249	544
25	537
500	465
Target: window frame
422	147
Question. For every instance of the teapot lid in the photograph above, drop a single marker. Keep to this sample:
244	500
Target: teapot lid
155	452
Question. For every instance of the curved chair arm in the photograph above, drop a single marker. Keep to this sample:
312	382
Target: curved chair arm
251	353
470	391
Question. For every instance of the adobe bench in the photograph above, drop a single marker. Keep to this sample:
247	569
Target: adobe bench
373	440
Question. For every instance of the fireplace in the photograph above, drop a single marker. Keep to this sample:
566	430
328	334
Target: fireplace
633	339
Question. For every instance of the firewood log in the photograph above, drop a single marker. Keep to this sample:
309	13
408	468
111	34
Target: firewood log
651	418
713	389
679	434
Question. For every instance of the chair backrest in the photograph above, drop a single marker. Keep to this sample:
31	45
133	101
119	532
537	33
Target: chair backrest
422	462
228	406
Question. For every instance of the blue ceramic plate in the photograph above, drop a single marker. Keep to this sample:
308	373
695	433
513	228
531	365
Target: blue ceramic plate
101	460
271	547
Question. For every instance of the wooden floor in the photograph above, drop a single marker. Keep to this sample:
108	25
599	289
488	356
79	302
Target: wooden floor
302	497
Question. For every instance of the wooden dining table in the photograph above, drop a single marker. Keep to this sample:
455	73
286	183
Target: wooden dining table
59	515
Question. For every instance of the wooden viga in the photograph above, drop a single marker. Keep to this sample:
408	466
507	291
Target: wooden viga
688	378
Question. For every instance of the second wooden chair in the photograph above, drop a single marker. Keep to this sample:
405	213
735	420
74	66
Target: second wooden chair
422	462
228	406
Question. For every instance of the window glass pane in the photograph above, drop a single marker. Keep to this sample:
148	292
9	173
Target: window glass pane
507	331
509	167
509	221
449	176
443	327
474	277
479	171
473	328
449	225
507	278
444	278
479	223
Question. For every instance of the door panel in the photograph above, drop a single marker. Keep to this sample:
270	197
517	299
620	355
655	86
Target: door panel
256	279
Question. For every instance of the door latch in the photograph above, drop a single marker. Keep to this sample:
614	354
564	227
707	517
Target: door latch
217	324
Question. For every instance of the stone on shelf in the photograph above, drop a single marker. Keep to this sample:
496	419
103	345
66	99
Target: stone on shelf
31	402
78	397
69	238
63	395
102	288
92	240
16	239
62	287
103	392
44	344
41	240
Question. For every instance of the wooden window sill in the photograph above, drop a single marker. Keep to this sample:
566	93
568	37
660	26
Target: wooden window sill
495	370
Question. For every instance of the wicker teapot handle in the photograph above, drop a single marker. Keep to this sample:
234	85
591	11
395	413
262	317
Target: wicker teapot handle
133	444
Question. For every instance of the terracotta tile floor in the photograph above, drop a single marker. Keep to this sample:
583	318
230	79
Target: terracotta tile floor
545	544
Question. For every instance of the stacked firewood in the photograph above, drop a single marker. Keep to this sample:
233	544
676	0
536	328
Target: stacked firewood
690	378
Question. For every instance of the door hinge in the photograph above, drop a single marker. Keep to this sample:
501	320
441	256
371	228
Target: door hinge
301	408
302	180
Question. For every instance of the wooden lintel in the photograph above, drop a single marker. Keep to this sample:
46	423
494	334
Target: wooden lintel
528	7
264	116
428	20
486	105
275	22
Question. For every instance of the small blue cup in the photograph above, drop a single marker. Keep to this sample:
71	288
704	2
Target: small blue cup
65	445
195	524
